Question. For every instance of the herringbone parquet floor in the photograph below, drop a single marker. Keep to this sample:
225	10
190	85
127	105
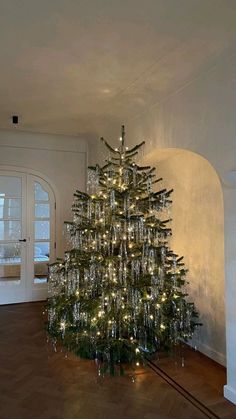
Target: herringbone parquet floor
37	383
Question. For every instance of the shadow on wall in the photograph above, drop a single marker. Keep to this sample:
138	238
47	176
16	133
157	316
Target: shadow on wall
198	235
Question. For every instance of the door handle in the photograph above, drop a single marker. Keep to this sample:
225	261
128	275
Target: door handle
22	240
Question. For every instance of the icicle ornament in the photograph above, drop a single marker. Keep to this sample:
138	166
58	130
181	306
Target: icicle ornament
119	294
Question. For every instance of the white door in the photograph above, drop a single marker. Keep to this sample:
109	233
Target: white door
27	237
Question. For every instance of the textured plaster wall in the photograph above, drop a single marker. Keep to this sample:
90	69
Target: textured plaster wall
198	235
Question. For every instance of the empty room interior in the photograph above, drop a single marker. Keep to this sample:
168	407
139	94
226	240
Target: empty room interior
117	209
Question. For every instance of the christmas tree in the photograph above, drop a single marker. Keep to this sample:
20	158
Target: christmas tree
119	294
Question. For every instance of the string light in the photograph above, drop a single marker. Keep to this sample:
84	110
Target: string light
62	325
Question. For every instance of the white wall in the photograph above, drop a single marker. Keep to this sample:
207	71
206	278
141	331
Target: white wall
201	118
61	160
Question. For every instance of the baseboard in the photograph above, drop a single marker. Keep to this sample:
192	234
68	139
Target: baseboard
211	353
230	394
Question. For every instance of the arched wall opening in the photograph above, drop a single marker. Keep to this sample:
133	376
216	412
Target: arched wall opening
198	234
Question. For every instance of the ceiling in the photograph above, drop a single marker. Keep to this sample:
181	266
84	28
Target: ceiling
85	67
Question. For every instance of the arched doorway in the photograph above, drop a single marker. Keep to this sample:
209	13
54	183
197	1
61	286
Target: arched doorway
27	236
198	234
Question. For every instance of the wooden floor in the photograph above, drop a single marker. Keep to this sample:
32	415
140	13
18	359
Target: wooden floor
37	383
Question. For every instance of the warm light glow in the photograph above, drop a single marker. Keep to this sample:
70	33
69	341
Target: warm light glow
63	325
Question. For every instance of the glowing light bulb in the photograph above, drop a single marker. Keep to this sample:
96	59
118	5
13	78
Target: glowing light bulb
63	325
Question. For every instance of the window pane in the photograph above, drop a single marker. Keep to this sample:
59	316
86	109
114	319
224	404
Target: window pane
42	211
10	253
41	230
10	230
40	273
10	208
39	193
41	252
10	262
10	186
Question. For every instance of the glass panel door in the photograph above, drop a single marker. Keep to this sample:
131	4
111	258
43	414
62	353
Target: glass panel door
42	231
27	237
12	237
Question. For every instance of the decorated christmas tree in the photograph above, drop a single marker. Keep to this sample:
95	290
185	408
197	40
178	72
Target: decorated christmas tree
120	294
